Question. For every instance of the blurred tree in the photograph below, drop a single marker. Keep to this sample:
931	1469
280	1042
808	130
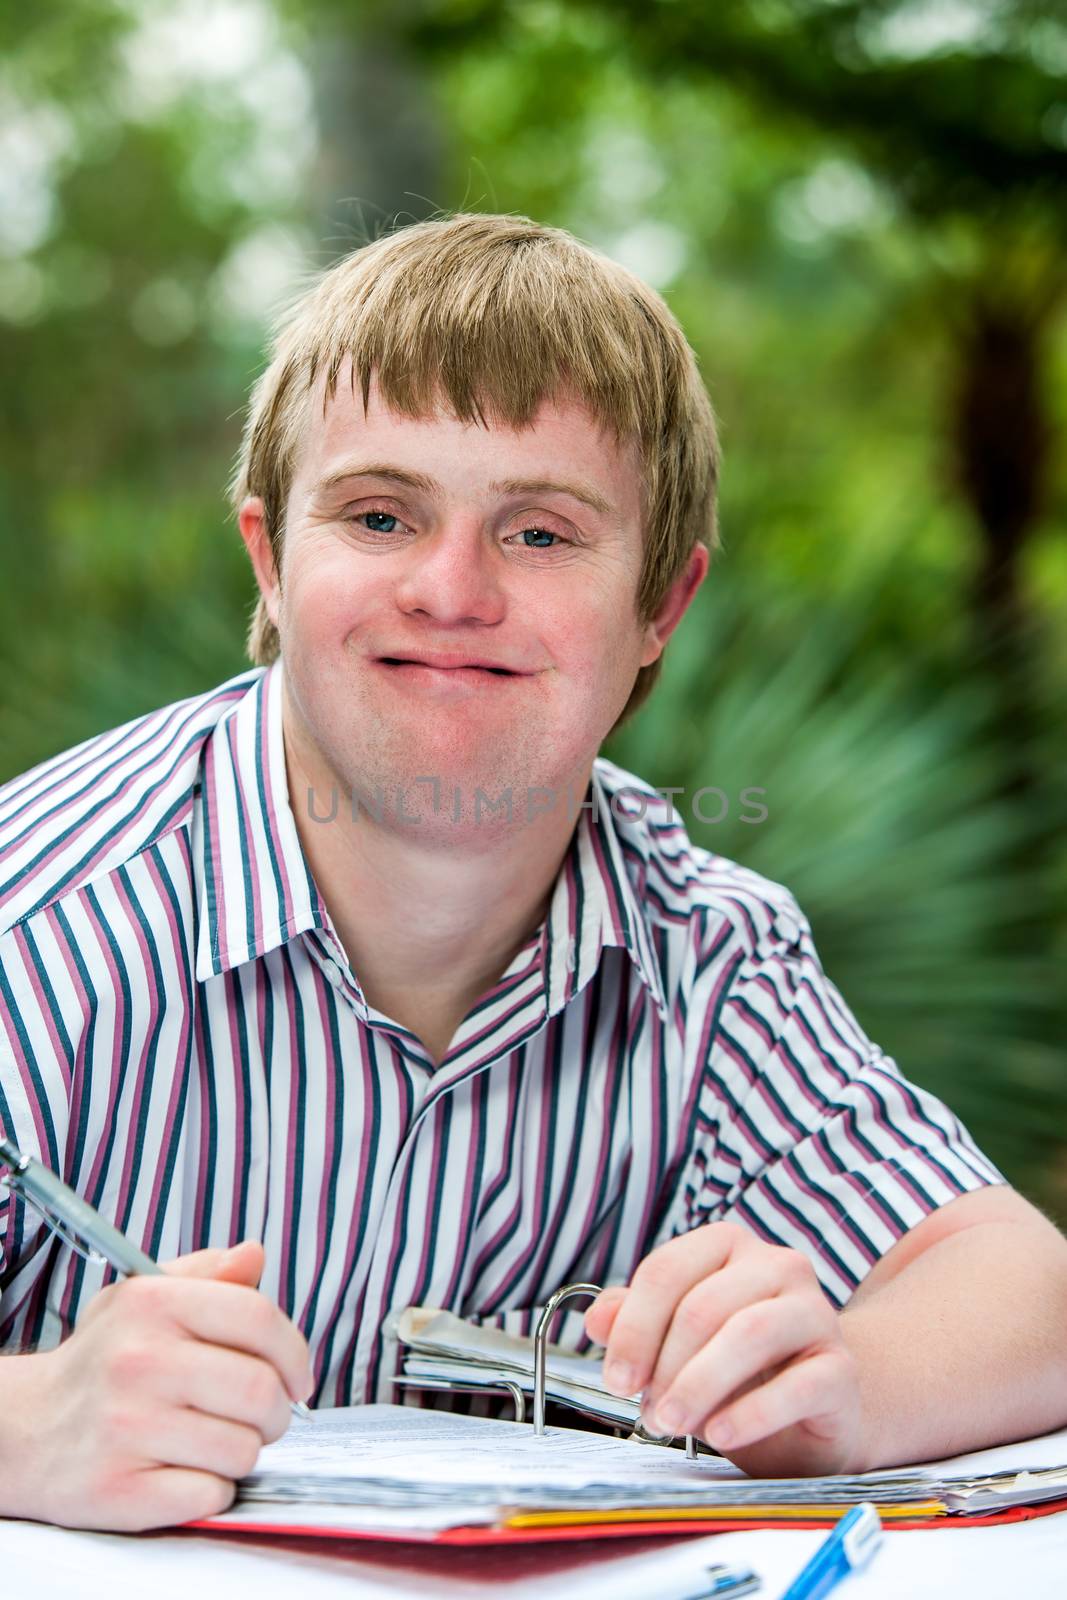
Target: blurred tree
380	136
961	113
798	753
148	159
162	188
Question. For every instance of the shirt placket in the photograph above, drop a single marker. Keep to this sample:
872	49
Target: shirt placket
380	1300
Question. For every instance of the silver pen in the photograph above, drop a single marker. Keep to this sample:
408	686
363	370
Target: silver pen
54	1199
726	1583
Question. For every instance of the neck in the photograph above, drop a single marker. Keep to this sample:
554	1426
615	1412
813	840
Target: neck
429	921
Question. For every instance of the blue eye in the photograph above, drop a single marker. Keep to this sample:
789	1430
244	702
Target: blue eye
533	537
379	521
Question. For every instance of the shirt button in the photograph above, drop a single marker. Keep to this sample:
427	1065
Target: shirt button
333	973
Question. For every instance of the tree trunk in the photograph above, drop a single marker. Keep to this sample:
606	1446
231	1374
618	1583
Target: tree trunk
381	140
1001	436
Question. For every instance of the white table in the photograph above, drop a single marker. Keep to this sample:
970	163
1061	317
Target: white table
1028	1560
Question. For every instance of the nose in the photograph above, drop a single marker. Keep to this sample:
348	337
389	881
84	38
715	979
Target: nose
451	577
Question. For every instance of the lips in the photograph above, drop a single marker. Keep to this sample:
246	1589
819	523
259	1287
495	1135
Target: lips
450	664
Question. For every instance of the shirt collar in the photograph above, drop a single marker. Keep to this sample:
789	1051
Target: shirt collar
598	899
255	891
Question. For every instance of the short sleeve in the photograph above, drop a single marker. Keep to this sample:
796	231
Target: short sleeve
803	1130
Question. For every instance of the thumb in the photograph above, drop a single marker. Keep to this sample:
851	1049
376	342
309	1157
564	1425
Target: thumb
241	1263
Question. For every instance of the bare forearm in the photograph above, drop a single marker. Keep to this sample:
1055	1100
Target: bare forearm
966	1346
22	1382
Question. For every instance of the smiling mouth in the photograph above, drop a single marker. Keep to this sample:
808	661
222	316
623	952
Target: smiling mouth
459	666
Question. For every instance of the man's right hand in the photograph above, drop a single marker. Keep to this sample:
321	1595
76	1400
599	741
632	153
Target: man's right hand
160	1399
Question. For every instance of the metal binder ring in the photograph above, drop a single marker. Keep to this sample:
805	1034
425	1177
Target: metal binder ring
540	1362
541	1340
451	1387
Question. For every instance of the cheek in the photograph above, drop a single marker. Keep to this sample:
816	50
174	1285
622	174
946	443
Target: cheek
323	598
598	641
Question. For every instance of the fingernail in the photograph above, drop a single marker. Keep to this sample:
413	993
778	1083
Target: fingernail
619	1376
720	1434
669	1417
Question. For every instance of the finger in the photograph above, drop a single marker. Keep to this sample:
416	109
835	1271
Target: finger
228	1314
177	1436
229	1385
658	1284
166	1496
706	1308
211	1263
756	1338
600	1317
816	1389
241	1263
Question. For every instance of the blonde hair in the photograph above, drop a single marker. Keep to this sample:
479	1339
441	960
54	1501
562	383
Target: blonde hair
495	314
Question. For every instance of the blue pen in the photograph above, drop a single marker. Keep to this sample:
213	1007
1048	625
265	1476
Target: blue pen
850	1546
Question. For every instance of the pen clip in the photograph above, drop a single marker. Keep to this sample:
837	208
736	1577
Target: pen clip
55	1227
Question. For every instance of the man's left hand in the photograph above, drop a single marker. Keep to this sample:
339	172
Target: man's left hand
733	1340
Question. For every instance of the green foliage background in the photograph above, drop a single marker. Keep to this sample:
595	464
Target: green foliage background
857	214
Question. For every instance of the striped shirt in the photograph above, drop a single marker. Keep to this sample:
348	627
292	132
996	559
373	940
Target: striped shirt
183	1038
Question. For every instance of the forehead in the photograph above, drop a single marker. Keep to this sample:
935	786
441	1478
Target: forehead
562	432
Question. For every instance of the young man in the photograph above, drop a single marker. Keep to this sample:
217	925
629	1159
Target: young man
365	966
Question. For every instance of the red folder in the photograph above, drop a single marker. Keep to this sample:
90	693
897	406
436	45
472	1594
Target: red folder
620	1530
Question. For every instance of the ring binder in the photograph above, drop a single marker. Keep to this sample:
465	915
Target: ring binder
449	1353
541	1341
639	1434
449	1385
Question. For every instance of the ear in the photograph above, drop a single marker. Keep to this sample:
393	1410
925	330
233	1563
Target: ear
252	522
675	604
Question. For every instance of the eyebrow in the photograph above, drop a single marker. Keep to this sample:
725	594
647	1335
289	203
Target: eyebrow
407	480
583	493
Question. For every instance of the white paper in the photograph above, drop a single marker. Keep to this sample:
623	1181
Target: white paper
596	1401
442	1331
406	1521
406	1457
440	1344
401	1455
415	1446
